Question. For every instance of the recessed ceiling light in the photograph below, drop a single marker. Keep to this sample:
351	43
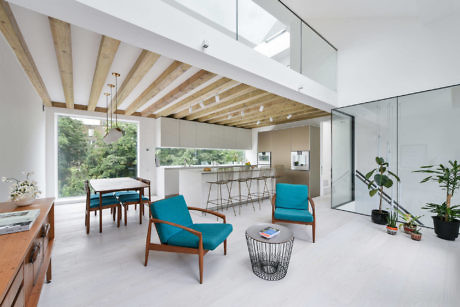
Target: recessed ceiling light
261	108
242	113
217	98
271	119
202	104
258	122
289	116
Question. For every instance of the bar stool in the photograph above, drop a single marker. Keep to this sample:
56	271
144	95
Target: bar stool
274	175
263	176
245	177
219	182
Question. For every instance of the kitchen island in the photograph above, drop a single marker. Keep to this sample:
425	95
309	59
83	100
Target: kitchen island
194	185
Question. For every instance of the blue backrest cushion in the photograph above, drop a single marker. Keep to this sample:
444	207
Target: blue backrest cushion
173	210
291	196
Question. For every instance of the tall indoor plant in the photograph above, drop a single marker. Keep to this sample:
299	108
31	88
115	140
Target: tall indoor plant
380	181
446	224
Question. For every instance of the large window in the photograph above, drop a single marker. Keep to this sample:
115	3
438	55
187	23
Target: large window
190	156
83	155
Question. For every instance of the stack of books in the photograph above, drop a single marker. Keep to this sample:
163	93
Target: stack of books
269	232
11	222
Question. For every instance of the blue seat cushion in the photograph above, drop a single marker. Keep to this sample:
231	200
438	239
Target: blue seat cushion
291	196
294	215
213	235
96	196
106	201
173	210
129	196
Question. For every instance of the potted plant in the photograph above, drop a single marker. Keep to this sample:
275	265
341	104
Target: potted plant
445	221
380	181
416	234
392	228
409	222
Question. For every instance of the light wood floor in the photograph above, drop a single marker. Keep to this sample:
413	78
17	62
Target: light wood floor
353	263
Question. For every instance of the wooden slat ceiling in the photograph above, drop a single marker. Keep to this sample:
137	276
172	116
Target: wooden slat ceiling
178	90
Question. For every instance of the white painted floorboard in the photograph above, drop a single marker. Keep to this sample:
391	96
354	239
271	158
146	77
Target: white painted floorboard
353	263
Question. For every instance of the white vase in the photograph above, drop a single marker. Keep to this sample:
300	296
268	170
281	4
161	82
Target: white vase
24	202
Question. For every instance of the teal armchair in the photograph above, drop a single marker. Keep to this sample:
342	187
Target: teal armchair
290	205
179	234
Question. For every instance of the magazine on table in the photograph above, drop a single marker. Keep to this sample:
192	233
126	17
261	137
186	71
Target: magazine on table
17	221
269	232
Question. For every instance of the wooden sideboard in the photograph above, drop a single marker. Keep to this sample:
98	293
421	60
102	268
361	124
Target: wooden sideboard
25	257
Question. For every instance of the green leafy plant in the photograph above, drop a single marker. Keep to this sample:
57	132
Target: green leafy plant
417	231
381	179
392	220
409	220
448	178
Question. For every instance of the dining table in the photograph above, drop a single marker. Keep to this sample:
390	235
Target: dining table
111	185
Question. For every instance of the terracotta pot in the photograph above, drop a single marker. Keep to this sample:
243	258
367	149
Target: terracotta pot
392	230
416	236
408	229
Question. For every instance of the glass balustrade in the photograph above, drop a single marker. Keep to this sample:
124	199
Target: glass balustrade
270	28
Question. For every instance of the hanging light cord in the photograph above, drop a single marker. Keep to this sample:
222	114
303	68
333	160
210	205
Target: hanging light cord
111	106
116	100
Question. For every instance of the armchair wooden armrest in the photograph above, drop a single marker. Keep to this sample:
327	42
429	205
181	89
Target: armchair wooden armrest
222	216
312	206
195	232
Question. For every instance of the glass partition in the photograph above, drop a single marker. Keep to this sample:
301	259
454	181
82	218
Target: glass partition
407	131
272	29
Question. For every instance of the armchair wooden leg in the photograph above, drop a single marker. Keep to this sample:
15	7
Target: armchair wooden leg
225	247
200	259
114	211
313	228
147	243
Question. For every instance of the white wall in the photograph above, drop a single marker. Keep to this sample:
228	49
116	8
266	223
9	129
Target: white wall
22	123
381	58
146	145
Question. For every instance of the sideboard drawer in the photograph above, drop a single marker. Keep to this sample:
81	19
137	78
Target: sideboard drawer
15	294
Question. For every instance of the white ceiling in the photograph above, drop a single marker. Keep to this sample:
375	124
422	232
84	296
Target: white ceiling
85	44
322	14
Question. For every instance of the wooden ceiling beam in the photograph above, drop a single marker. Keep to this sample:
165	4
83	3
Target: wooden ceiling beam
273	113
174	71
210	102
141	67
269	111
62	40
13	35
240	99
108	48
85	108
250	110
188	85
283	119
203	94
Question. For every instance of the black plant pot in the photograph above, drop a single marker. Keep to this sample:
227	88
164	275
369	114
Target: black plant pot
446	230
379	217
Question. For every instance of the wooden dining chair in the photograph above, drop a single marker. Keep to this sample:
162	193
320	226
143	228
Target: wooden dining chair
109	201
178	233
127	198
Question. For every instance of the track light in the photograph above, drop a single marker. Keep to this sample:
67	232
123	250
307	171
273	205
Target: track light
271	119
202	104
289	116
242	113
258	122
217	98
261	108
190	109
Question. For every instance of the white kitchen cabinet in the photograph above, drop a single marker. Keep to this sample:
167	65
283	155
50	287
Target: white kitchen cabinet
187	133
169	132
